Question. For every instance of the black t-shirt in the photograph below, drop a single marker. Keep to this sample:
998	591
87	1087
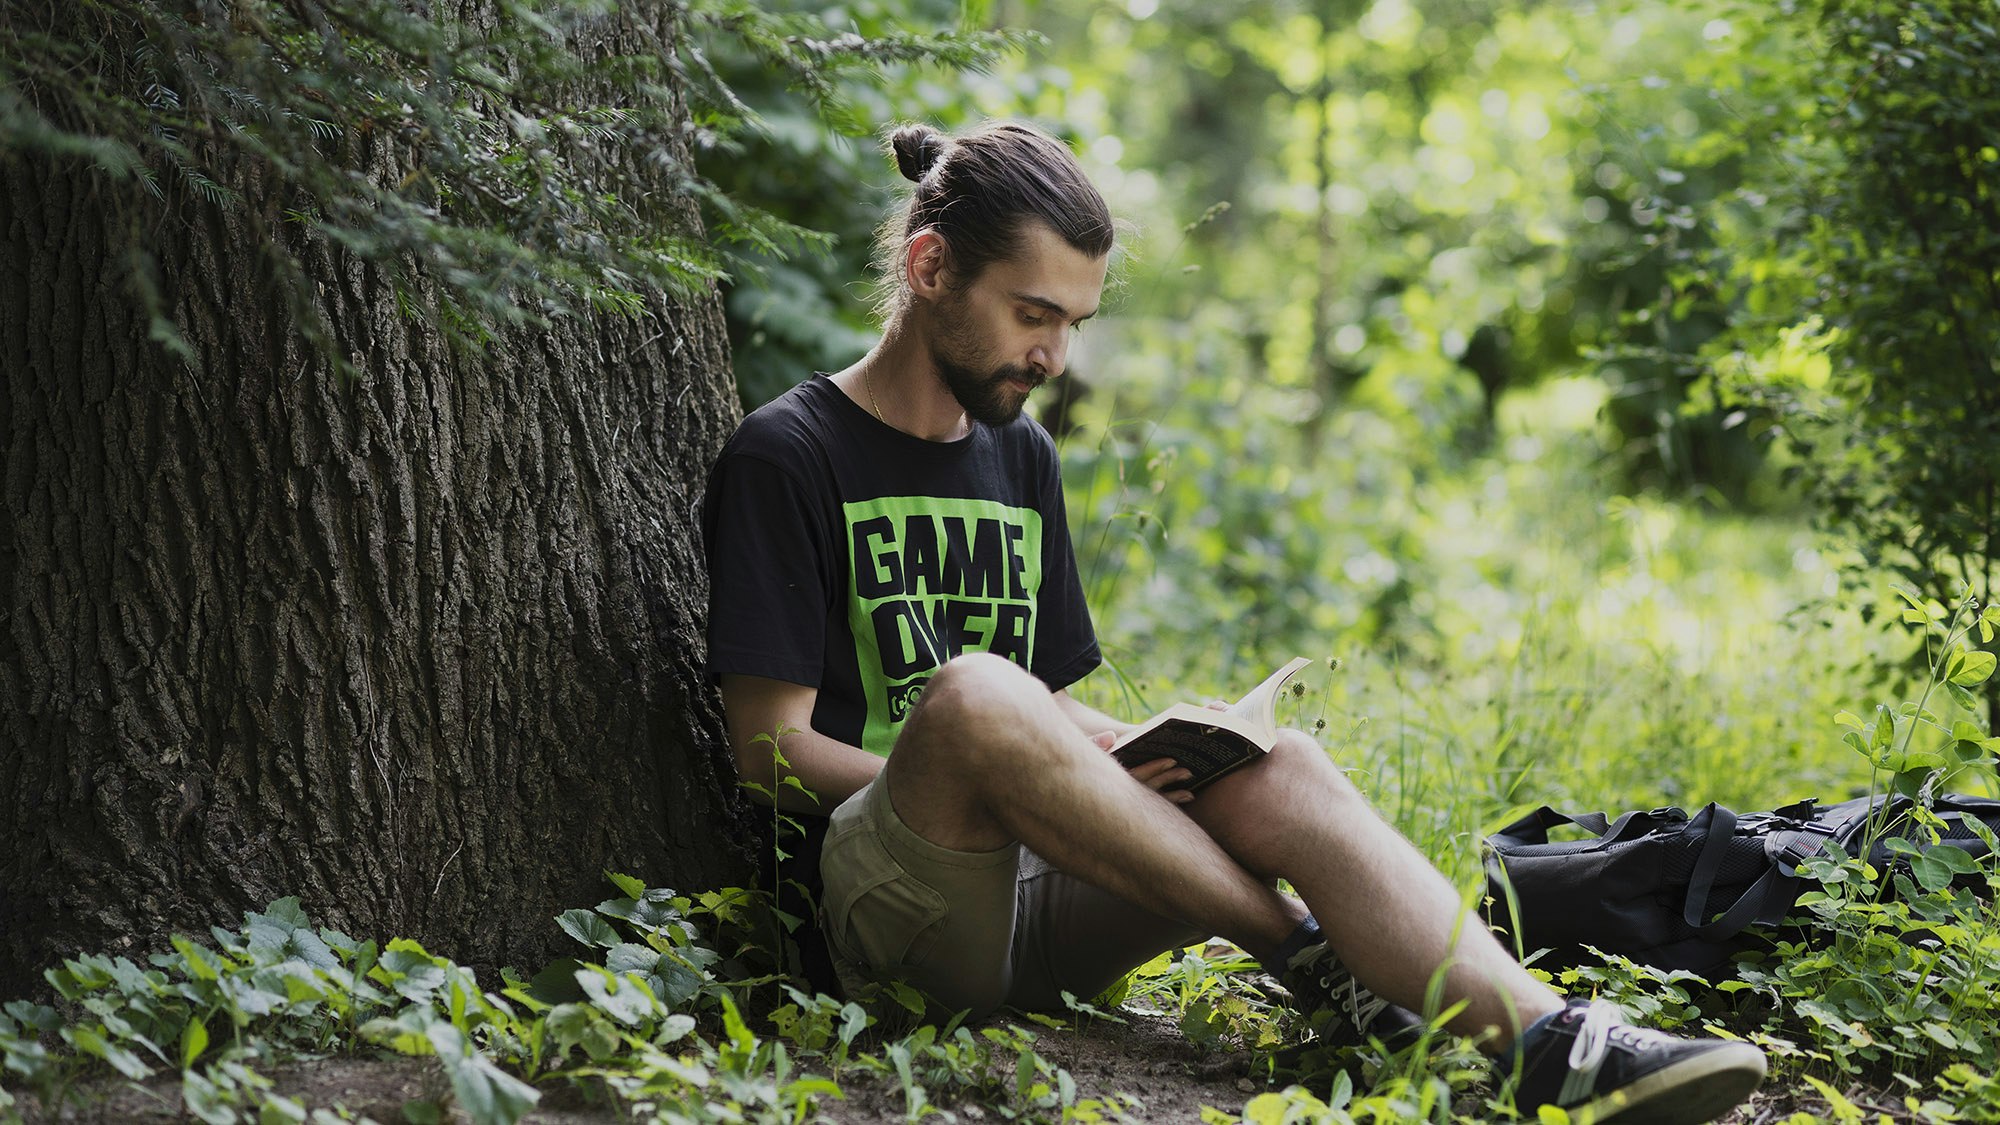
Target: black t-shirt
848	556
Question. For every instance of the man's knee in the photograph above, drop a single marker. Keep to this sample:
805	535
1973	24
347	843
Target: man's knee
978	691
1297	759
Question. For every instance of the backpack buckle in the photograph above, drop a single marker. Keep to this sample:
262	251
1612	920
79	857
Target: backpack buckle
1797	848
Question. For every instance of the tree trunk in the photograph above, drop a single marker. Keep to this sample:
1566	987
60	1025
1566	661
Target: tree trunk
422	647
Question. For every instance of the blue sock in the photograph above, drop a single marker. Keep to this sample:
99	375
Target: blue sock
1307	934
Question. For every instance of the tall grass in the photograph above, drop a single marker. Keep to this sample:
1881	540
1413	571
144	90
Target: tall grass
1510	631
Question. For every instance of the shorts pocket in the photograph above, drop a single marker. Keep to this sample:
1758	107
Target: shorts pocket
876	913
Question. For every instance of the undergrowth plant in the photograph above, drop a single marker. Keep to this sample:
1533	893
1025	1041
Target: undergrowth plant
1885	979
671	1016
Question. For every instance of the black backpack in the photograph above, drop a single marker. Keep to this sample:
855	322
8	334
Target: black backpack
1685	892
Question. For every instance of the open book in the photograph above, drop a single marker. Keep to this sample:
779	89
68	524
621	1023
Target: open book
1208	742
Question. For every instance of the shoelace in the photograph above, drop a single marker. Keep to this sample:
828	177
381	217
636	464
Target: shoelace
1362	1004
1586	1055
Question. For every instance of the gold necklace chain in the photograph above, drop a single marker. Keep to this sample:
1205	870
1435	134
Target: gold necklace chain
868	380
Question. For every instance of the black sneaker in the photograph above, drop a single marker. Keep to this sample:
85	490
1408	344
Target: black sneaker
1343	1012
1591	1063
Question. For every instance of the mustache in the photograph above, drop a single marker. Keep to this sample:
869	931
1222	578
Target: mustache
1034	379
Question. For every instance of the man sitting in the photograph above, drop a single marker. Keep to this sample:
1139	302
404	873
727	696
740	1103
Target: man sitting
891	570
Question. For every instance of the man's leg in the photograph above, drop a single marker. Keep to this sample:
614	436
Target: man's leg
1072	936
990	760
1393	918
987	758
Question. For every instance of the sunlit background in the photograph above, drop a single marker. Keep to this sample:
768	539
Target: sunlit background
1412	362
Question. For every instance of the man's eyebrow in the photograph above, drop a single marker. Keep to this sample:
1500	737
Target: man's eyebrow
1045	303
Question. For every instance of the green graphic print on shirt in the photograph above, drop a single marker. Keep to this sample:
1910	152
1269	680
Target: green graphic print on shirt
934	577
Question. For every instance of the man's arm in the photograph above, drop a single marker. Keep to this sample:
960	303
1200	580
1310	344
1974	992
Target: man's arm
1089	719
1162	774
829	769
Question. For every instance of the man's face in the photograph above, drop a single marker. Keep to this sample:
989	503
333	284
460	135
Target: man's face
994	341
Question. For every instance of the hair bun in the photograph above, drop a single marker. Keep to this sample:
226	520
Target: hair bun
918	148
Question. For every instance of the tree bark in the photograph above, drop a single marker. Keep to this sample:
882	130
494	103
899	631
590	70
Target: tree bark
422	646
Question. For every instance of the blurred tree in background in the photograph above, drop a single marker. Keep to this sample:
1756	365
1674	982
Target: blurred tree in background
1363	226
1864	262
813	155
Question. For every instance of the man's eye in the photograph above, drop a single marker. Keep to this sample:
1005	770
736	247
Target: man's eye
1031	320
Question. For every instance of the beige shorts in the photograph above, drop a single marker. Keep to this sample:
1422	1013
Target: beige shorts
974	930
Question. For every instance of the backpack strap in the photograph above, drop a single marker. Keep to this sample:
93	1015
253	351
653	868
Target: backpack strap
1714	846
1534	827
1765	901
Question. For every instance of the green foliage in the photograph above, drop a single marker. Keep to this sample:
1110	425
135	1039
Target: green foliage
674	1020
819	166
498	172
1866	259
1886	975
1430	204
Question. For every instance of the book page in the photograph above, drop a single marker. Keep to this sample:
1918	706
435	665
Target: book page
1261	705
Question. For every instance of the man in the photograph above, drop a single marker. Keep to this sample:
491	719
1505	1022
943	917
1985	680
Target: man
891	570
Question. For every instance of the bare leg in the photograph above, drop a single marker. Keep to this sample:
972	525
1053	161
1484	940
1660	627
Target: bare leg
1391	916
988	758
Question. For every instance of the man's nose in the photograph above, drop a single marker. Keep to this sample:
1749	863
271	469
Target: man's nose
1049	355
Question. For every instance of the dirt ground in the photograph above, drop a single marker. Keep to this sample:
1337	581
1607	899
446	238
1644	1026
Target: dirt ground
1146	1058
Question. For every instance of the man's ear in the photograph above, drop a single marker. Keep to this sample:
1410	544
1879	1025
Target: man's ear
925	264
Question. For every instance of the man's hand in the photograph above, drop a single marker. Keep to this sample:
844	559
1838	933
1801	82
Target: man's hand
1162	775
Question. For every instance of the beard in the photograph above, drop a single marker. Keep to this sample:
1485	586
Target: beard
985	396
982	392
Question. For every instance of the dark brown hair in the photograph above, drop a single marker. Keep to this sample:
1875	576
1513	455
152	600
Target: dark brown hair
976	191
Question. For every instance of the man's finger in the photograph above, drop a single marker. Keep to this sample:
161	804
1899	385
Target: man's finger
1160	774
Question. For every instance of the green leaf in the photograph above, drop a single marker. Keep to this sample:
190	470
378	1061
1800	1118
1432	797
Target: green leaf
489	1095
1930	872
1955	859
674	1027
623	997
284	912
1909	782
650	911
556	984
92	1042
586	927
627	885
1940	1034
411	972
194	1040
1973	668
198	965
407	1034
